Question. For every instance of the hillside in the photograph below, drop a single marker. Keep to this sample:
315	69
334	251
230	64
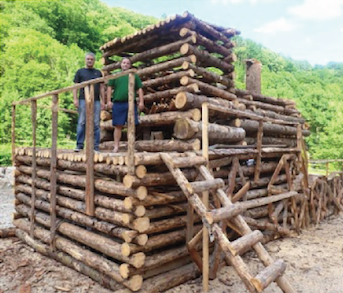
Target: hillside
44	44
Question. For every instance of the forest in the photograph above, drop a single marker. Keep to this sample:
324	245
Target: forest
43	43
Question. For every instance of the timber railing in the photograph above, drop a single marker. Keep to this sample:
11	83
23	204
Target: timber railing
89	137
326	162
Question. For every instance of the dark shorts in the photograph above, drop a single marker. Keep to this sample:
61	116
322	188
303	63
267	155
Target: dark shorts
120	111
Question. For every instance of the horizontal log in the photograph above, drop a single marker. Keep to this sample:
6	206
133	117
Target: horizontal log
206	58
111	187
69	261
186	129
251	126
273	141
100	243
82	219
7	232
173	77
91	259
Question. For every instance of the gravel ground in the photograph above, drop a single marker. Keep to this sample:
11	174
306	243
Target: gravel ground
6	204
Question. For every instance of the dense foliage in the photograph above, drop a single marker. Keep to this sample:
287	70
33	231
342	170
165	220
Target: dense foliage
43	43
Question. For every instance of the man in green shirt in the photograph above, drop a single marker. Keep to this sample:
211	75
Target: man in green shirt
118	100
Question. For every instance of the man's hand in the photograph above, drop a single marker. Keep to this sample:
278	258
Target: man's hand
76	103
141	106
109	105
102	105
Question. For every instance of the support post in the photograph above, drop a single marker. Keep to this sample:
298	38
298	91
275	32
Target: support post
259	147
205	199
33	195
89	98
131	128
53	167
13	134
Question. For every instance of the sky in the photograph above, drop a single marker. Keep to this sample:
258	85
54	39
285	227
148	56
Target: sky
310	30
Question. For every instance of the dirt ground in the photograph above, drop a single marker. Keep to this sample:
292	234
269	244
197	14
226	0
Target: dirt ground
314	263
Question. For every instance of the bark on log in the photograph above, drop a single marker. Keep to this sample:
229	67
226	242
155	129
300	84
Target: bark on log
7	232
100	243
111	187
160	119
82	219
152	53
155	82
163	66
272	141
251	126
186	129
185	101
89	258
210	46
69	261
208	75
167	94
165	145
208	89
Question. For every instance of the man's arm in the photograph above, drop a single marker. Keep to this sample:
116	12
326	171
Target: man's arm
76	99
141	99
109	95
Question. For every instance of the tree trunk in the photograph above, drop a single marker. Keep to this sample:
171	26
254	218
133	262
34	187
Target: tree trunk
186	129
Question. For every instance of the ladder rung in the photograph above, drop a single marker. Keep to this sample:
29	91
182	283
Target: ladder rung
226	212
243	243
184	162
200	186
268	275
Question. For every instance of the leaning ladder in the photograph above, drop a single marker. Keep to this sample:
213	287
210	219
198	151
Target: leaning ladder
229	213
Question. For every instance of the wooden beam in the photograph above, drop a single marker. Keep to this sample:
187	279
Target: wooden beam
131	125
53	168
89	95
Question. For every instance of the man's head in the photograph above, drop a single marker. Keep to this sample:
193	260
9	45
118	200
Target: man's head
89	60
125	64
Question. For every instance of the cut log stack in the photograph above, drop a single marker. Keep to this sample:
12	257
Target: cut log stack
142	221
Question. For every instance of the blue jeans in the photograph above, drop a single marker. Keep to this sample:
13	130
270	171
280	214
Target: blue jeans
81	125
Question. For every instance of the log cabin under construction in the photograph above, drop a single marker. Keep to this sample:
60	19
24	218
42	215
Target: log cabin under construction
211	171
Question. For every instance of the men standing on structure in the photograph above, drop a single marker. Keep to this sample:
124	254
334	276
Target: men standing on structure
85	74
119	103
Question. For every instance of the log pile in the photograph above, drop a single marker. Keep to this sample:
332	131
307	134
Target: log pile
137	237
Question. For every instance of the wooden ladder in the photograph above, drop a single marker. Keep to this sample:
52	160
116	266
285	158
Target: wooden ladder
228	212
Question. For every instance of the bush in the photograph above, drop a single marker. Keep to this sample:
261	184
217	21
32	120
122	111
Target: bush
5	155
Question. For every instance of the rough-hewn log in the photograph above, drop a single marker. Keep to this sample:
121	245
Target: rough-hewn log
69	261
185	101
271	129
208	75
206	58
100	243
273	141
89	258
210	46
186	129
166	65
157	198
167	94
165	145
152	53
111	187
209	89
160	119
82	219
154	82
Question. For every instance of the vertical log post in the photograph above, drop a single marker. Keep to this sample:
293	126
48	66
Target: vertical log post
89	99
253	76
13	134
33	195
53	167
205	199
327	168
131	128
259	147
